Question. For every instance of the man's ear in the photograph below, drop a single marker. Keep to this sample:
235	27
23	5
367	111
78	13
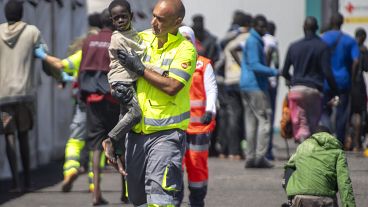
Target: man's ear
131	16
179	21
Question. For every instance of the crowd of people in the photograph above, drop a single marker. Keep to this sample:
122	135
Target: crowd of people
158	101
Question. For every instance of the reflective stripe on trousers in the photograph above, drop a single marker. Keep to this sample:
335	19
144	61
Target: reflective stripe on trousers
72	156
196	159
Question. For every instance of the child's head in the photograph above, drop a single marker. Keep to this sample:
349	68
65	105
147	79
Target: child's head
121	14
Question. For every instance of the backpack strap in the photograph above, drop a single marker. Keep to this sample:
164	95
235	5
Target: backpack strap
336	42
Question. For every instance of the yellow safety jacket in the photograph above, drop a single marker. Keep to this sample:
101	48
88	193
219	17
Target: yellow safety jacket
161	111
72	63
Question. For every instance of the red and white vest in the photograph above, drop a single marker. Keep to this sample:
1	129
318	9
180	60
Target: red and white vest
198	100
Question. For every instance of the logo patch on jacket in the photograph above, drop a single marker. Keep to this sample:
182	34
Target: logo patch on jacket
185	65
199	64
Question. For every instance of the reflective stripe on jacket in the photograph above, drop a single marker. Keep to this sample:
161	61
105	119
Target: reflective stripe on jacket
161	111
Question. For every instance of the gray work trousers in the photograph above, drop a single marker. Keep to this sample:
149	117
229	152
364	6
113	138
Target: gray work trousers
257	116
78	125
154	167
314	201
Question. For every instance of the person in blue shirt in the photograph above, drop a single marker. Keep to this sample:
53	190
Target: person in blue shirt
344	61
254	87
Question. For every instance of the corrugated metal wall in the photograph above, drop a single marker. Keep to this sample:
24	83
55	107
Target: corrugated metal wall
59	25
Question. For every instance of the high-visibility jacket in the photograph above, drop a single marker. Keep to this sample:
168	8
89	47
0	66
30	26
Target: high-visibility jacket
198	100
161	111
72	63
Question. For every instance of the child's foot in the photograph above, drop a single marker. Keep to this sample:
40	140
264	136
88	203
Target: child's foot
100	201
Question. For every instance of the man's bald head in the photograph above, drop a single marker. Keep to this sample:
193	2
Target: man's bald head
177	6
310	24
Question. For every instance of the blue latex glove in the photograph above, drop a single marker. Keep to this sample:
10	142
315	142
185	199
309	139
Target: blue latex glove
39	52
66	77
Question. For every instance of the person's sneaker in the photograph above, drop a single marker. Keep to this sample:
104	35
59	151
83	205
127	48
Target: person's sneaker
234	157
222	156
68	182
249	163
270	156
263	163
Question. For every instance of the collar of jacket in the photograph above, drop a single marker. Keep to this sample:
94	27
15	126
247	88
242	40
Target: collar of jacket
170	39
255	34
310	36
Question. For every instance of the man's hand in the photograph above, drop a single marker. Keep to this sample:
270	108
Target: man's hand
334	101
123	93
206	118
131	61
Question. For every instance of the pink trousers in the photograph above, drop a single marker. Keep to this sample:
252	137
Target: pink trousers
306	107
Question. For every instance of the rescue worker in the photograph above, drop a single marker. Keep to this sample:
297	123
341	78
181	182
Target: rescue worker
155	147
73	165
203	96
74	149
76	142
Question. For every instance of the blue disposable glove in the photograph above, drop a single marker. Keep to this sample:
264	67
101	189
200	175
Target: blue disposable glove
39	52
66	77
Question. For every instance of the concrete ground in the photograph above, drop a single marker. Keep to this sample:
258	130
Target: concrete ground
229	185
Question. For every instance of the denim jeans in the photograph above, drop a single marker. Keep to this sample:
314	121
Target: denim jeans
342	114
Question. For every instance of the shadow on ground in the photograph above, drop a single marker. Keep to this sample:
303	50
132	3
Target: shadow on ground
44	176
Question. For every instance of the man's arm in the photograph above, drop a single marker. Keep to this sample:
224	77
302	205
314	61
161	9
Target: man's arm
354	54
168	85
289	169
327	70
210	87
285	69
179	74
255	62
234	51
343	181
40	53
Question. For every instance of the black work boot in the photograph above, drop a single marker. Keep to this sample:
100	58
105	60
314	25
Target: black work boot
196	196
263	163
